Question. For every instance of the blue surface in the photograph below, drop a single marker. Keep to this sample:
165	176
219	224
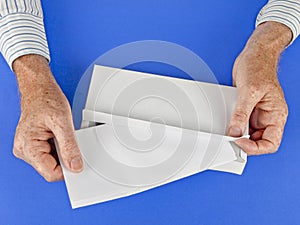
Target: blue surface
78	32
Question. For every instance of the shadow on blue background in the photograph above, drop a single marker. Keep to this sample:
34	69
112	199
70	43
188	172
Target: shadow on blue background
80	31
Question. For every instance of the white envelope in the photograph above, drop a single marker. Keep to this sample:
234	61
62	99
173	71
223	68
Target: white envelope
154	130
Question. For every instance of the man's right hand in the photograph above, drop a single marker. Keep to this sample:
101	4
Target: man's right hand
261	103
45	114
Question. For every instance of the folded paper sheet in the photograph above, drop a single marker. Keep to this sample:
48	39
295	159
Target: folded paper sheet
154	130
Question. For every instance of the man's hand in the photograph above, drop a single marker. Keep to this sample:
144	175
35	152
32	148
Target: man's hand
45	114
261	103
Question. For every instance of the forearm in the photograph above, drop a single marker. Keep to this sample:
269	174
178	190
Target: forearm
286	12
34	78
263	49
269	39
31	71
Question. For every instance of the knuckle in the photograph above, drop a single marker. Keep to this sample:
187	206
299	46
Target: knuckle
16	153
274	149
274	146
286	109
28	151
240	115
31	152
49	178
70	151
17	149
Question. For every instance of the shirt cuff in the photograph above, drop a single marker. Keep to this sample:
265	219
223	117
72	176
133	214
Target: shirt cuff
22	34
285	12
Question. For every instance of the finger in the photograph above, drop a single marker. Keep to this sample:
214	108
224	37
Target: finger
18	147
260	119
18	150
246	102
36	153
69	151
33	137
41	135
257	135
255	147
268	143
46	166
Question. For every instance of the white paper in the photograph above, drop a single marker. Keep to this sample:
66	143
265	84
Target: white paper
157	130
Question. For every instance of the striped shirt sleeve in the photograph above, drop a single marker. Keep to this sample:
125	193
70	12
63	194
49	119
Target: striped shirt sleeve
22	29
286	12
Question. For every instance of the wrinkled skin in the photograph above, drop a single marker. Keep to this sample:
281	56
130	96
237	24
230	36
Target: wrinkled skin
45	114
261	103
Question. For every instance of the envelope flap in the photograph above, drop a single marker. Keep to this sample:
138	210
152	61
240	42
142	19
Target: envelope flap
176	102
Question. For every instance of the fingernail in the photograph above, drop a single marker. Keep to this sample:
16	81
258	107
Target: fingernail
76	164
235	132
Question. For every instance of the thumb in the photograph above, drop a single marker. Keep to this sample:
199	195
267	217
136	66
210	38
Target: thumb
246	102
68	147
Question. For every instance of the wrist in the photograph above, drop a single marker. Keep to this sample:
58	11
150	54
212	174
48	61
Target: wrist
31	69
269	39
34	78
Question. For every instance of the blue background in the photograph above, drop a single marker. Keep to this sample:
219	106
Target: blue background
78	32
